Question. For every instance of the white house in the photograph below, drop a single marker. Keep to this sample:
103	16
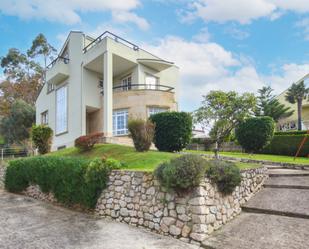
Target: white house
95	85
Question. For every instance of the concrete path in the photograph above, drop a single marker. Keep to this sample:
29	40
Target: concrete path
26	223
276	217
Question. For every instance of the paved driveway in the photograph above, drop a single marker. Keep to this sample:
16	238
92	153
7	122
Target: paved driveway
27	223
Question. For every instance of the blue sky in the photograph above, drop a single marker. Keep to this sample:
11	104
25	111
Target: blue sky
228	44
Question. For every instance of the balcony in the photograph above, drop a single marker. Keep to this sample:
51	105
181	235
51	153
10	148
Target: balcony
58	70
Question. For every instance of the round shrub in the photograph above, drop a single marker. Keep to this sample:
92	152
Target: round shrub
42	138
181	173
225	174
172	130
142	133
86	143
255	133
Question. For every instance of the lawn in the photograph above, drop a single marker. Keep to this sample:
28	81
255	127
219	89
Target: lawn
144	161
264	157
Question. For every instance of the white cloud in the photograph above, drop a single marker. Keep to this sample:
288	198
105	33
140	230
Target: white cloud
124	17
206	66
236	33
68	11
242	11
304	25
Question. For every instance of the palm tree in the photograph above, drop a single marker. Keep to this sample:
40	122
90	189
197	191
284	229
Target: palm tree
296	94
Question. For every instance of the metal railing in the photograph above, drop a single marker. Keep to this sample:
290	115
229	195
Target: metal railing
113	36
59	58
14	152
138	87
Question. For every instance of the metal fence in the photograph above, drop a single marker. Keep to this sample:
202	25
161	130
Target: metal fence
14	152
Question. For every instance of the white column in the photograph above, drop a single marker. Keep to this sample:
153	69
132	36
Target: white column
108	94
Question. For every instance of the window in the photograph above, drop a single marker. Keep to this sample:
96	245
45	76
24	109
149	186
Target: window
44	118
61	110
126	83
120	122
153	110
151	82
50	87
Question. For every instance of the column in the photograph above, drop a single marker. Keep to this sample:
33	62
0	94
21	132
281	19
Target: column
108	94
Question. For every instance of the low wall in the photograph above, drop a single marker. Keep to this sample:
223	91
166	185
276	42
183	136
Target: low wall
138	199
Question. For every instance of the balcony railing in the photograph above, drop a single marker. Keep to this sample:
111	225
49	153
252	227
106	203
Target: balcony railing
139	87
112	36
59	58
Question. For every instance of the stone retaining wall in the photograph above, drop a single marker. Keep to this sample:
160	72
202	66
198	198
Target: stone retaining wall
138	199
2	172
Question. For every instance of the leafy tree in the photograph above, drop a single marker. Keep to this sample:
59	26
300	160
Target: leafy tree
296	94
16	126
268	105
223	111
42	138
255	133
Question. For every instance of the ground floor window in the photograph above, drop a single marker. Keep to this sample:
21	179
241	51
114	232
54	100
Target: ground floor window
61	110
44	118
120	122
153	110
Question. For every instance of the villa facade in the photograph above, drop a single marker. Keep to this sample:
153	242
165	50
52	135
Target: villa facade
96	85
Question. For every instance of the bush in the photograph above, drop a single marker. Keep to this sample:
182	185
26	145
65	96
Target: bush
290	133
287	145
86	143
172	130
225	174
181	173
255	133
72	180
142	133
42	138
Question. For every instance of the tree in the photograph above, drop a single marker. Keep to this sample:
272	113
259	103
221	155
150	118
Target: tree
255	133
296	94
268	105
223	111
42	138
16	126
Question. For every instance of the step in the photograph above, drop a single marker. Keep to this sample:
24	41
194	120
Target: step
280	201
301	182
261	231
287	172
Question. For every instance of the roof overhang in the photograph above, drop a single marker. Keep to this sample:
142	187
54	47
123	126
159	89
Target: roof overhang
156	64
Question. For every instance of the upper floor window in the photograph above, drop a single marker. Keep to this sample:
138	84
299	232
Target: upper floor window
44	118
120	122
151	82
50	87
154	110
126	83
61	110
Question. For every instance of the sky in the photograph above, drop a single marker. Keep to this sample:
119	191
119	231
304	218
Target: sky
235	45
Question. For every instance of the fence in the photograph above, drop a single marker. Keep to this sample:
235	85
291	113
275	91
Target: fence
14	152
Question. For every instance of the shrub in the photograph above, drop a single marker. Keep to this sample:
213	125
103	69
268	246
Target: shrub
72	180
290	133
181	173
225	174
86	143
255	133
142	133
172	130
42	138
287	145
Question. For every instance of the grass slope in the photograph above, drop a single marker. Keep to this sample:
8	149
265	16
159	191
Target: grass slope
271	158
145	161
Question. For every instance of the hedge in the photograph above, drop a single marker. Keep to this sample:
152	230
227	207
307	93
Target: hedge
287	145
71	180
173	130
290	132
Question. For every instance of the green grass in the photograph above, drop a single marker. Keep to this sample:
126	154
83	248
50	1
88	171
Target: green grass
143	161
241	165
264	157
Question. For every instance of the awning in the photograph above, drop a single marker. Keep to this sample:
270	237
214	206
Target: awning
158	65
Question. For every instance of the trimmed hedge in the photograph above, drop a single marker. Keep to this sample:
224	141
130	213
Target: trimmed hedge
290	133
287	145
72	180
173	130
